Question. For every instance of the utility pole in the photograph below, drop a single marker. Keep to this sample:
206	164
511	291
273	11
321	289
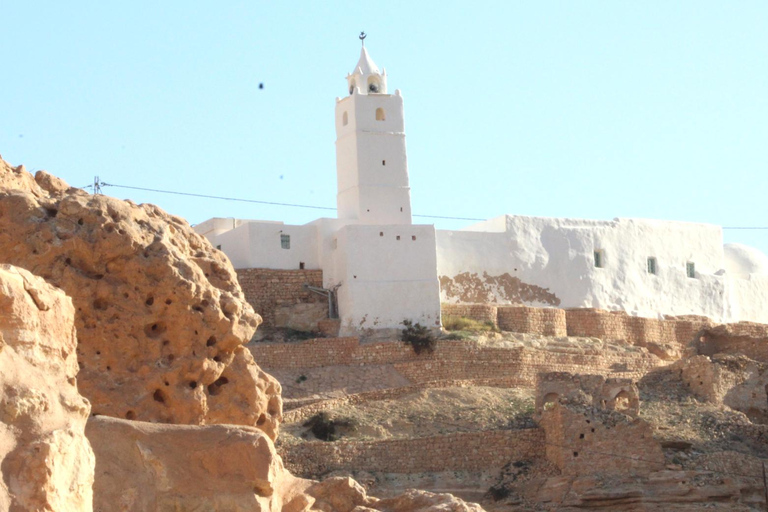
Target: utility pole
96	186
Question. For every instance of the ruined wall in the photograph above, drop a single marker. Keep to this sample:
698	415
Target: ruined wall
473	451
662	337
268	289
453	360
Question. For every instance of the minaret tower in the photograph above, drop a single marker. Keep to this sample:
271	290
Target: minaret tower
371	165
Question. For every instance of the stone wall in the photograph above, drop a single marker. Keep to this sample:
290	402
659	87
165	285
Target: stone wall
454	360
268	289
663	337
543	321
472	451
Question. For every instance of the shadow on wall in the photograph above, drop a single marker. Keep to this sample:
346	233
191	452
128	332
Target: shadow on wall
474	288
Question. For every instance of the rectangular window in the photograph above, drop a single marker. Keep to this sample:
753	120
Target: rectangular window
651	265
690	269
599	259
285	241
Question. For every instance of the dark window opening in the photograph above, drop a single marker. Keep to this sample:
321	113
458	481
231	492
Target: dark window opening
301	265
690	269
398	237
413	237
383	162
599	259
285	241
652	265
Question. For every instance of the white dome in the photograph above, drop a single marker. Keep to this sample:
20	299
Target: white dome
742	260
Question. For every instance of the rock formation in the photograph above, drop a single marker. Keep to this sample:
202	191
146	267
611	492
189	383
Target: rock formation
145	466
47	463
160	316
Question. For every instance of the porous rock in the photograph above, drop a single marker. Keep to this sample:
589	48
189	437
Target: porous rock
160	316
47	463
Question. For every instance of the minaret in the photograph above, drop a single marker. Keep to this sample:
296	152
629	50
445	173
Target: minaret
371	164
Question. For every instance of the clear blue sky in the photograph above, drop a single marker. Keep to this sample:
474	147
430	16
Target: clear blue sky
559	109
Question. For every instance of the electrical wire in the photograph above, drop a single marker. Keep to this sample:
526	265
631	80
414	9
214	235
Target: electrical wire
327	208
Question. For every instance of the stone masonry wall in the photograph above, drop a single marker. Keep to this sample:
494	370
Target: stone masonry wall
267	289
473	451
609	325
452	360
543	321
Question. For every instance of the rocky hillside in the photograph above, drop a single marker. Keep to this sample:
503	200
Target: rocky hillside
143	317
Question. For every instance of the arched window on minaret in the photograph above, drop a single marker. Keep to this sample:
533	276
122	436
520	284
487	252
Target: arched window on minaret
344	119
380	114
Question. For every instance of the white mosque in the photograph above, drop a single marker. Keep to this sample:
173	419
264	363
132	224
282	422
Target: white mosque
385	269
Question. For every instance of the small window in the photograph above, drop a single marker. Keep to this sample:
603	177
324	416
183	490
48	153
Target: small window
344	119
381	233
398	237
690	269
599	259
301	265
383	162
652	265
413	237
380	114
285	241
218	247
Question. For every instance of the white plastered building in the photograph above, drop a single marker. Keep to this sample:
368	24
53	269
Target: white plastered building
385	269
381	266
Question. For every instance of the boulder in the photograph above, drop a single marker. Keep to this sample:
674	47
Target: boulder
149	466
47	463
160	316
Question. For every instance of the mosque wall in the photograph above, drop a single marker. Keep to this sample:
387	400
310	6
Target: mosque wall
644	267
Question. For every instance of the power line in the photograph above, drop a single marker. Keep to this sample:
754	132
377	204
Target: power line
256	201
327	208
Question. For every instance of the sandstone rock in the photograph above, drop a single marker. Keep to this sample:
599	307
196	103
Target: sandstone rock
160	317
47	463
423	501
146	466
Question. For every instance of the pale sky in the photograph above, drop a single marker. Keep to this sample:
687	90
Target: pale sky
558	109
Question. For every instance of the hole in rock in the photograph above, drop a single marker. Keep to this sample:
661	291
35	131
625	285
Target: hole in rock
581	436
68	261
217	358
215	388
159	396
130	415
51	212
192	384
168	301
211	341
80	221
262	420
575	454
150	300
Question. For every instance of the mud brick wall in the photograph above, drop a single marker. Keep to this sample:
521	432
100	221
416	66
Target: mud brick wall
543	321
479	312
474	451
267	289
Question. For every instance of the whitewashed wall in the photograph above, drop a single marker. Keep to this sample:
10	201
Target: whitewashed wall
551	262
256	244
386	280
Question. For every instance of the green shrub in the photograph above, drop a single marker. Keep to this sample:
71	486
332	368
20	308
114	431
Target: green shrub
419	337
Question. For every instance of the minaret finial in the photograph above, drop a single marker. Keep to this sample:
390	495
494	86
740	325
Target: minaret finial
362	37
